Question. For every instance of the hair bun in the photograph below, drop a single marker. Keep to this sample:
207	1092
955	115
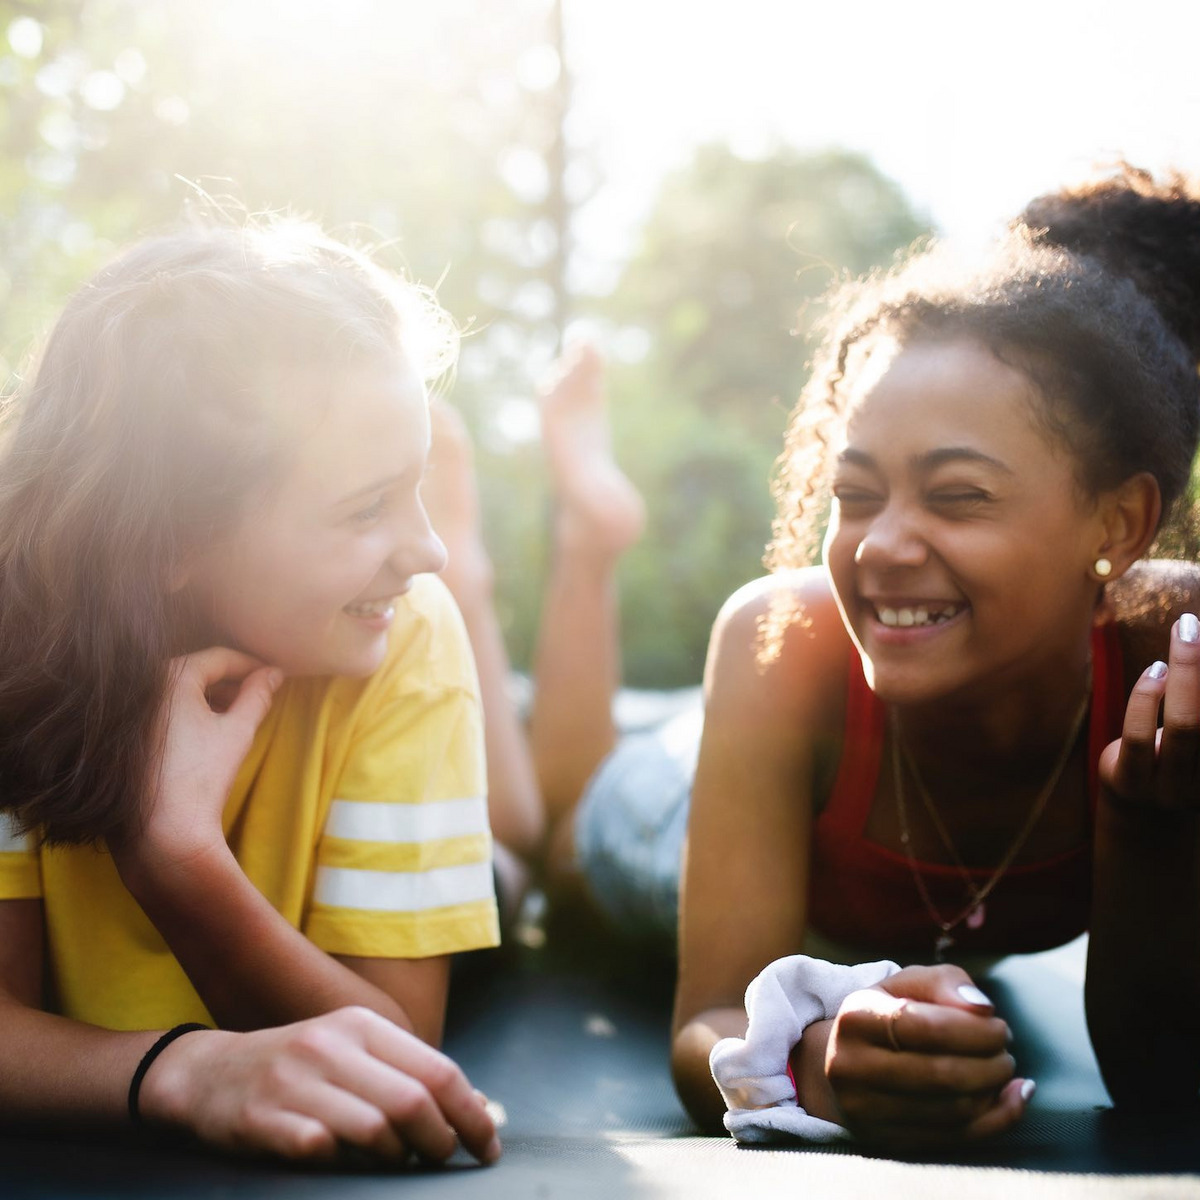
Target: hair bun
1146	229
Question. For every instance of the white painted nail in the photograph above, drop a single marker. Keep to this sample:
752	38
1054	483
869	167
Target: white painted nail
1156	670
1027	1089
1189	628
972	995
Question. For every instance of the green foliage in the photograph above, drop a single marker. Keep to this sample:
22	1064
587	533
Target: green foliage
433	135
724	286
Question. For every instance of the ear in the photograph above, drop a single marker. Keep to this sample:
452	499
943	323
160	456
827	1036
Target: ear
1129	517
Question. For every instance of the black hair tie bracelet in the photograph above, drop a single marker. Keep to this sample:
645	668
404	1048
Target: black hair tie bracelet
135	1084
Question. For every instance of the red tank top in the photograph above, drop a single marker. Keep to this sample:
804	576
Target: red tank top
864	894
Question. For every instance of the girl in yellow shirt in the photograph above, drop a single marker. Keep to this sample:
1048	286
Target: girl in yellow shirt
240	735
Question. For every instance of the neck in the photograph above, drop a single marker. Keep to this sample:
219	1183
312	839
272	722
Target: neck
1017	722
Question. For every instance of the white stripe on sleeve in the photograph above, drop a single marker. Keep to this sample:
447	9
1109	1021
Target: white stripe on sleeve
403	891
12	842
360	821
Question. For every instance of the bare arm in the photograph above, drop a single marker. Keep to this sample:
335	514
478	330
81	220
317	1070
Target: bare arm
300	1091
248	964
745	880
745	899
1143	970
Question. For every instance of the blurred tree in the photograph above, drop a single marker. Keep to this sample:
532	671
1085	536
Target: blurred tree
725	285
423	126
439	130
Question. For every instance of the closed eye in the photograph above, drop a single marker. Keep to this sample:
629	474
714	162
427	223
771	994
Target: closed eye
959	497
855	497
372	513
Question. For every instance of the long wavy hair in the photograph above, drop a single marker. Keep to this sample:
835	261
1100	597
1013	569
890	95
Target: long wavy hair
165	396
1094	293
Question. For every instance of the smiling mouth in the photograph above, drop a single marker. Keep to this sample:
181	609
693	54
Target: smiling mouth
372	608
916	615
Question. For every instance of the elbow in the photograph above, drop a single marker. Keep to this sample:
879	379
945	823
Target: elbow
694	1082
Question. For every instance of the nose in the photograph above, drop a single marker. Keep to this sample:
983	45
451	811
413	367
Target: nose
892	539
416	548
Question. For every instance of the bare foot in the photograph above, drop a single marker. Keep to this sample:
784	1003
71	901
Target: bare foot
599	510
451	498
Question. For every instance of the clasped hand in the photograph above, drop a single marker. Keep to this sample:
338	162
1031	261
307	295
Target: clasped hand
921	1059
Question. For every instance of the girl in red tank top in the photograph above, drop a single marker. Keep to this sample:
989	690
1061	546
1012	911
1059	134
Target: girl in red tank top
945	738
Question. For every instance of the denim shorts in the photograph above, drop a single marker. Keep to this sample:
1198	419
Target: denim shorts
631	822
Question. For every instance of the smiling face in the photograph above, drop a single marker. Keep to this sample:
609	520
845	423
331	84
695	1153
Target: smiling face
307	580
959	542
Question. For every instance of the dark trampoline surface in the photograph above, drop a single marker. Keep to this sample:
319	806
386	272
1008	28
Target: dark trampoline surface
572	1042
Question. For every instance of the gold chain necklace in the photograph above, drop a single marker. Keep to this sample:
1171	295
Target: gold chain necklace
973	912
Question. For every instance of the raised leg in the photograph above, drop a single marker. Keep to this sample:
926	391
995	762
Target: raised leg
451	496
599	514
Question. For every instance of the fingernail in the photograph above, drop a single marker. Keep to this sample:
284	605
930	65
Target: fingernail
1157	670
972	995
492	1153
1027	1090
1189	628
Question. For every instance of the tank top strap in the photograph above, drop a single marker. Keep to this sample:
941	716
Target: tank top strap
862	748
862	743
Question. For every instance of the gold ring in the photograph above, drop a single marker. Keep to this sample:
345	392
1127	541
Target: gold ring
892	1018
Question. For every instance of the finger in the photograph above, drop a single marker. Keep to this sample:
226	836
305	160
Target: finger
914	1027
352	1119
1180	746
219	662
254	697
943	984
1009	1108
918	1073
1127	766
901	1024
867	1106
446	1084
288	1134
406	1104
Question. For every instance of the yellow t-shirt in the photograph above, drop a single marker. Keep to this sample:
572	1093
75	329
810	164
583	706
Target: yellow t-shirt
360	813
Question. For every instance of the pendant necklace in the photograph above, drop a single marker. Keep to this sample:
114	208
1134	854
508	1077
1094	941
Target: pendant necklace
973	913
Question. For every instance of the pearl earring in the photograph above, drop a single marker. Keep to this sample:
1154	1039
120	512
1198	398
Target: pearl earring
1102	567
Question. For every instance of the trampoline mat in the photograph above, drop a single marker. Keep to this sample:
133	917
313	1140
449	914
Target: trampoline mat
572	1043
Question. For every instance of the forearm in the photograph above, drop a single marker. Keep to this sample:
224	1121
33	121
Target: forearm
249	966
53	1069
1143	973
690	1049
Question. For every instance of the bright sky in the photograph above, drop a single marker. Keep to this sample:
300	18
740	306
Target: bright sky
972	106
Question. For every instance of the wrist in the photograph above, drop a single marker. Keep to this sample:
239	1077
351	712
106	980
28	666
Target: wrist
807	1061
169	1089
1130	828
153	871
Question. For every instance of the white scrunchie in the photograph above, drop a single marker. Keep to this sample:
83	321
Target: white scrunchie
752	1072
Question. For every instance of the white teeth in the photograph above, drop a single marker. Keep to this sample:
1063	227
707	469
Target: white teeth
904	618
374	608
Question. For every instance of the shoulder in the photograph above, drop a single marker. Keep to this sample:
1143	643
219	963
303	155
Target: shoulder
782	639
1147	601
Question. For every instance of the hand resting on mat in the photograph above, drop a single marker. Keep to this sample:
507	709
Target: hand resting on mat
348	1078
919	1059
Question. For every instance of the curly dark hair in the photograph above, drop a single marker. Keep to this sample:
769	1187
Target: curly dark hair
1094	293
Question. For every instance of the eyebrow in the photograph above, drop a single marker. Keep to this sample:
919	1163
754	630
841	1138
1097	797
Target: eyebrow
930	460
379	486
